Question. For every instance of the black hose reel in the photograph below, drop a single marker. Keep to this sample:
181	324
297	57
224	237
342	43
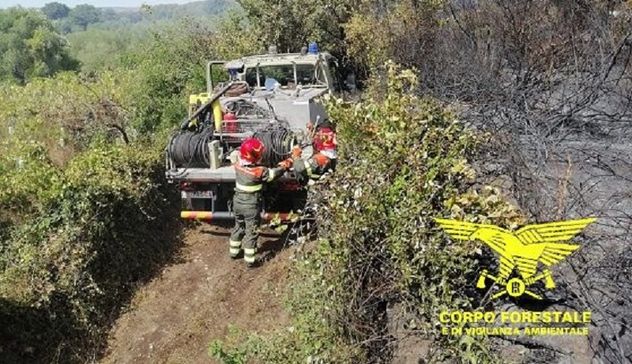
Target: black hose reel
189	149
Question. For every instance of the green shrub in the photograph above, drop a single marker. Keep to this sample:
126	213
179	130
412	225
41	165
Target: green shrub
78	257
168	68
85	211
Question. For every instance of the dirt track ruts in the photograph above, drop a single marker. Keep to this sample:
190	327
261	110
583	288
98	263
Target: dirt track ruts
173	318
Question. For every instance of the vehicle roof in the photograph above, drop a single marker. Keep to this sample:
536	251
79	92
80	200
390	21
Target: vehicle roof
284	58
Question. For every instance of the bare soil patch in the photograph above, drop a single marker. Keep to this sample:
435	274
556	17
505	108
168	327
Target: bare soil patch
173	318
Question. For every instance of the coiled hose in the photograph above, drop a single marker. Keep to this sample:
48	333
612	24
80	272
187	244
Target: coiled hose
190	149
278	142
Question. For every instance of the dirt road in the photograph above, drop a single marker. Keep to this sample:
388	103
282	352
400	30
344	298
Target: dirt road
192	302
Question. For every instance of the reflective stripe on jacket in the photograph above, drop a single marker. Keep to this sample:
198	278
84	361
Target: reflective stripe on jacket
250	178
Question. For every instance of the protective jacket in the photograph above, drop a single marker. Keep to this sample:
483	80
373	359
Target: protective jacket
314	167
250	178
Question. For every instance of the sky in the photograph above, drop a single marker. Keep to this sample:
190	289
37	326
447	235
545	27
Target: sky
97	3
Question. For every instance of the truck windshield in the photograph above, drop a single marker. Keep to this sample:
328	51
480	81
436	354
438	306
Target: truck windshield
284	74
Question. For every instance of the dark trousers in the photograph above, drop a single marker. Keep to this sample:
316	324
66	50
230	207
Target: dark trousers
247	209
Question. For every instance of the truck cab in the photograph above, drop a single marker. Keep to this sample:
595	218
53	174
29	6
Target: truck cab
288	82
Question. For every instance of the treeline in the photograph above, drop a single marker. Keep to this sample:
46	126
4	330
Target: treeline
81	16
104	35
31	47
56	37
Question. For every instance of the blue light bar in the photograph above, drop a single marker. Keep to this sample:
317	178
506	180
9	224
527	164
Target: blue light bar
313	48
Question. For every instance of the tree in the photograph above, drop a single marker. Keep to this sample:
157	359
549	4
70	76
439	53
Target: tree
55	10
30	46
291	24
84	15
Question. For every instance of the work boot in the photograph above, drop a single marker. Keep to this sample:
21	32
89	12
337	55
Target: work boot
249	257
234	249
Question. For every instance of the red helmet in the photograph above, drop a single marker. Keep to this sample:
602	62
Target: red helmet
325	139
251	150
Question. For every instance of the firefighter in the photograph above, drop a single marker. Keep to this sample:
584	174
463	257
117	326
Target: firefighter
247	201
324	157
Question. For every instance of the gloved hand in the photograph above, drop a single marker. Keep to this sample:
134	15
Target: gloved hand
234	156
297	152
286	164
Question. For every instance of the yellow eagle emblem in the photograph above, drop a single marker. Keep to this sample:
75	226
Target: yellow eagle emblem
521	250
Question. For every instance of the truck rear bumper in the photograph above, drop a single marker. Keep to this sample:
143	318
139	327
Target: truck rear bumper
197	175
224	215
207	175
